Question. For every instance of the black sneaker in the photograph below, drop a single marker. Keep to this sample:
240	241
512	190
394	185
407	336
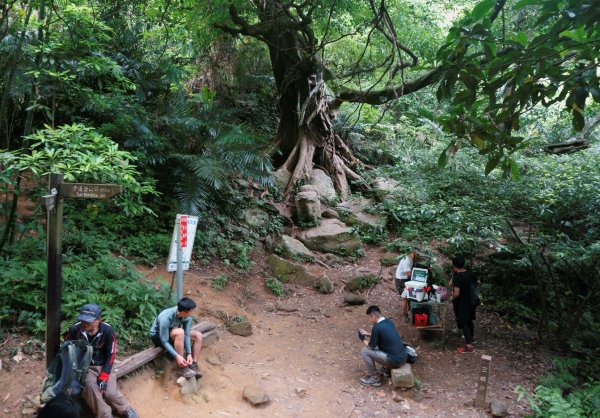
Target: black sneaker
186	372
196	369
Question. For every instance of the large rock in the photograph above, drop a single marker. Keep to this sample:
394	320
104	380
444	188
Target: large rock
308	188
242	328
324	186
498	408
255	395
403	377
354	299
292	249
289	272
332	236
356	214
308	208
330	213
361	279
325	285
256	218
384	187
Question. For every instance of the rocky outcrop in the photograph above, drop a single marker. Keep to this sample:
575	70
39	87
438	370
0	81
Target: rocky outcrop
289	272
256	218
324	186
292	249
308	207
356	214
332	236
383	187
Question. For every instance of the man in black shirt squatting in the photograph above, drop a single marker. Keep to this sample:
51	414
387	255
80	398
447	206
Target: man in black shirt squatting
383	345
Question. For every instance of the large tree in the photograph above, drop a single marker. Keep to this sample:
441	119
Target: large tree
489	69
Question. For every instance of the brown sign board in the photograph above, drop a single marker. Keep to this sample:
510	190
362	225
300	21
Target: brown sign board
90	190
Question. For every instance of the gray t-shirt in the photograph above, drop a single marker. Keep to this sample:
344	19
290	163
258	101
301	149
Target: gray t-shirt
165	322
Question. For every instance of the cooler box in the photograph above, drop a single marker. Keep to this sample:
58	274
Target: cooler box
419	275
416	290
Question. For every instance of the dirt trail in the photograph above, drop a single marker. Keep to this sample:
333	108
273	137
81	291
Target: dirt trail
307	360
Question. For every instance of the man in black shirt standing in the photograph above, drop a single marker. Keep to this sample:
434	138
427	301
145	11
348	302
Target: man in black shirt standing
463	284
383	345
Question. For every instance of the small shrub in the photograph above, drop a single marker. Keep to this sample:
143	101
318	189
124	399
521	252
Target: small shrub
276	286
220	282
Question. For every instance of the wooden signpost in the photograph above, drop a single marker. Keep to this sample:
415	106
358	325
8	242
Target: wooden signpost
54	218
482	382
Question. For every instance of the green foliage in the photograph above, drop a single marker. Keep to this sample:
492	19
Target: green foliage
83	155
492	76
365	282
276	286
129	302
560	395
220	282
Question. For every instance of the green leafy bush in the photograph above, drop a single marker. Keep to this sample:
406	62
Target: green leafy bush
220	282
275	286
559	394
129	302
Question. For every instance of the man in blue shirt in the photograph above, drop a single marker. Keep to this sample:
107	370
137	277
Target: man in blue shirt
172	330
383	345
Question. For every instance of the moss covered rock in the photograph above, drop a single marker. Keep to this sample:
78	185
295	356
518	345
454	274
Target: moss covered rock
332	236
289	272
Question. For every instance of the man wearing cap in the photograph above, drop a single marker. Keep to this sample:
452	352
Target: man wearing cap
100	391
172	330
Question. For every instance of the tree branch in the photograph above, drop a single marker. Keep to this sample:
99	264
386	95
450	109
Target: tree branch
377	97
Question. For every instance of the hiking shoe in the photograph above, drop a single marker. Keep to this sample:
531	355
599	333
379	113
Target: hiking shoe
186	372
130	414
466	349
196	369
370	381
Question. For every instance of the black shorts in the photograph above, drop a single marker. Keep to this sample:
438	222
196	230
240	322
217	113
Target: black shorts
156	340
400	285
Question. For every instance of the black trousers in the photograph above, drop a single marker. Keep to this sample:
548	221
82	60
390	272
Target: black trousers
465	321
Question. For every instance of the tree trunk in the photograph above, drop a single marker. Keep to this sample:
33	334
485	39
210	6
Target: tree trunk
305	135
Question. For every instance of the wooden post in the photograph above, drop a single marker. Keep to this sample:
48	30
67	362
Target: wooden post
482	382
54	220
54	210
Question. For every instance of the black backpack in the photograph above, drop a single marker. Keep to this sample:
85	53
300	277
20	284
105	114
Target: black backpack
66	372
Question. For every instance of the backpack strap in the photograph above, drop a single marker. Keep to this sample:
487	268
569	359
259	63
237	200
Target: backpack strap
72	363
87	360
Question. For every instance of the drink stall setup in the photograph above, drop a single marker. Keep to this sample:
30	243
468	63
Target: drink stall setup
428	303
